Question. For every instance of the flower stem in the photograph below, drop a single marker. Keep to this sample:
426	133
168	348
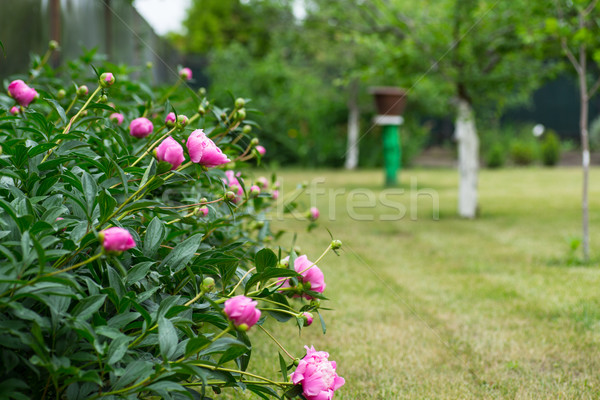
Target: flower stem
277	342
149	149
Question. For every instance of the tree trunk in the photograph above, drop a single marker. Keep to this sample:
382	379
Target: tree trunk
468	159
353	115
583	127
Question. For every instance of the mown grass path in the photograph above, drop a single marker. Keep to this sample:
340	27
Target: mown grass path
445	309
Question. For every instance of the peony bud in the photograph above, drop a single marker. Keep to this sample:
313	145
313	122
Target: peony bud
311	276
117	118
201	110
261	150
185	74
103	99
61	94
116	239
254	142
182	121
239	103
336	244
229	195
242	311
53	45
313	213
170	151
149	65
202	211
202	91
170	120
247	129
82	91
254	191
208	284
0	150
262	182
140	127
204	151
15	110
275	194
308	318
107	79
240	114
22	93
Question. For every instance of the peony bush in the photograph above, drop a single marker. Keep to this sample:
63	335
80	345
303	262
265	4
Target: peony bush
136	253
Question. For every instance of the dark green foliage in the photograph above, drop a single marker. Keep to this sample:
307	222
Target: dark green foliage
496	156
550	149
523	152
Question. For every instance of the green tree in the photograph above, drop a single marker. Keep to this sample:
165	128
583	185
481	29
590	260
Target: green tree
471	55
575	24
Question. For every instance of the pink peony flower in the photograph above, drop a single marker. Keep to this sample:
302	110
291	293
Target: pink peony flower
275	194
261	150
202	211
170	120
15	110
185	74
116	239
204	151
242	311
117	118
314	213
170	151
311	275
317	375
140	127
22	93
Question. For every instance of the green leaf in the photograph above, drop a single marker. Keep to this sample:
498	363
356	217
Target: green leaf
182	253
135	371
90	191
39	149
264	259
139	271
59	109
107	205
118	348
89	305
231	354
283	368
155	234
194	345
167	338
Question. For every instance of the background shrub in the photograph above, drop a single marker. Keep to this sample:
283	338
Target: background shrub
550	149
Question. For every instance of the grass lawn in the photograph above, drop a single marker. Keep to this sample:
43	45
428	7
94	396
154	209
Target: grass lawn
450	308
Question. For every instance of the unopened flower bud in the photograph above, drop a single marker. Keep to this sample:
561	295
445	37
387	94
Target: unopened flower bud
204	200
185	74
15	110
82	91
170	120
308	318
61	94
208	284
201	110
247	129
297	250
202	92
182	121
254	191
223	116
336	244
315	303
296	362
107	79
149	65
239	103
313	213
260	224
261	150
254	142
103	99
0	150
202	211
229	195
240	114
53	45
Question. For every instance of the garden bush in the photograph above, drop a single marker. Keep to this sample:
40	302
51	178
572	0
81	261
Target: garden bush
496	156
133	244
550	149
523	152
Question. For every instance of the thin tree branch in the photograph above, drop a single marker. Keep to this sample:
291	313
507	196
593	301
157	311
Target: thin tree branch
570	56
594	88
590	8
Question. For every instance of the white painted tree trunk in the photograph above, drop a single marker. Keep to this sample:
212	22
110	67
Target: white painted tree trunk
468	159
353	117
